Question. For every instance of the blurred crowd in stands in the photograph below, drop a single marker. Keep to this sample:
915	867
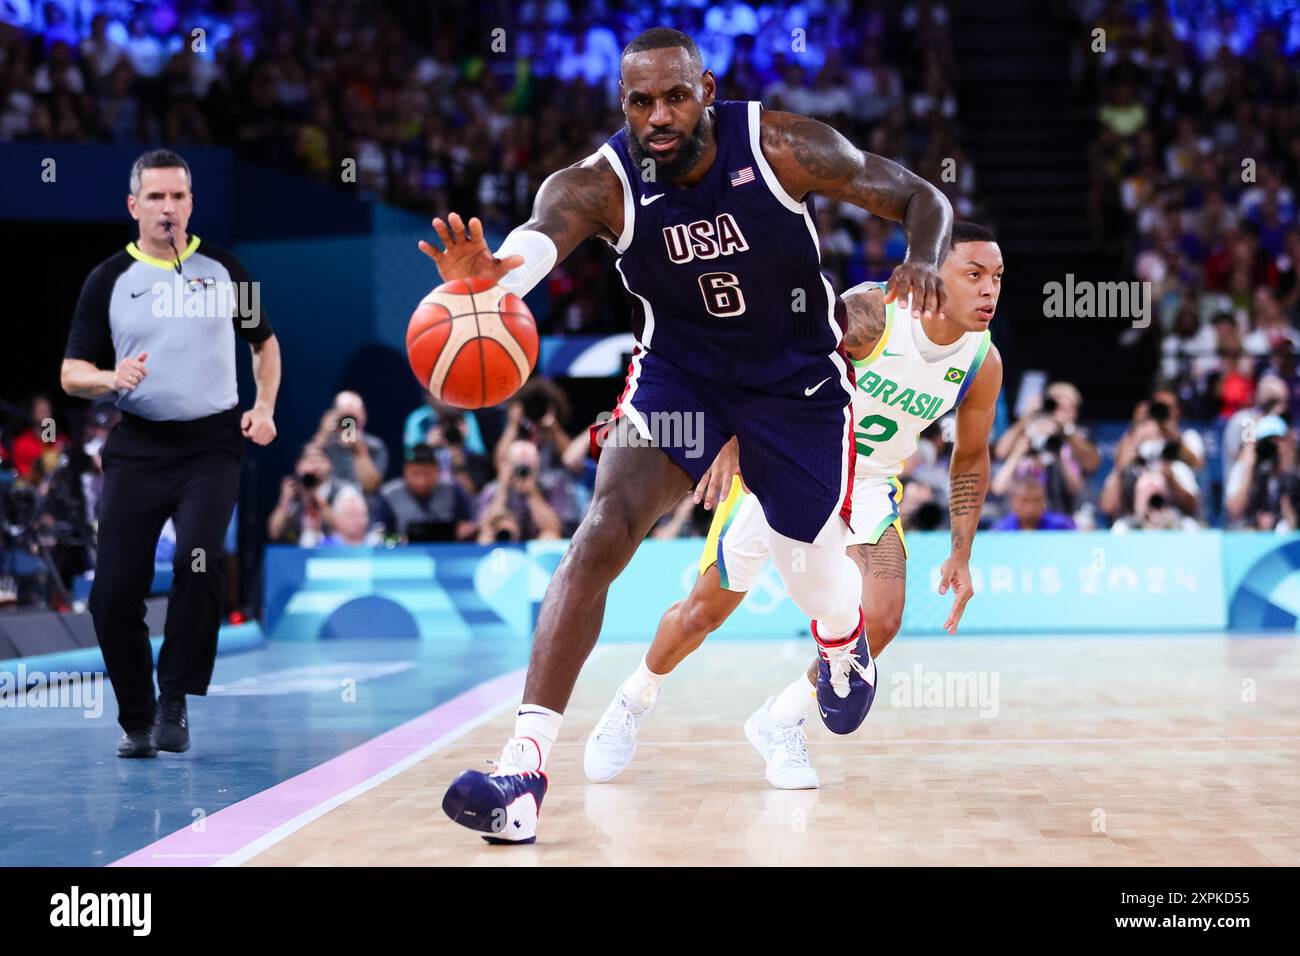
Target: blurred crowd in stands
1194	166
1194	169
454	122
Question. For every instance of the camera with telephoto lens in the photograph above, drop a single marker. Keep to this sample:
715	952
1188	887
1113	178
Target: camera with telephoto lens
536	407
1047	444
310	481
523	471
20	503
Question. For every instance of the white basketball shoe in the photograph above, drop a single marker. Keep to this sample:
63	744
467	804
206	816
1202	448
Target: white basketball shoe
612	743
782	744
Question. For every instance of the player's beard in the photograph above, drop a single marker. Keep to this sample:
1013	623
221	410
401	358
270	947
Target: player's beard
688	153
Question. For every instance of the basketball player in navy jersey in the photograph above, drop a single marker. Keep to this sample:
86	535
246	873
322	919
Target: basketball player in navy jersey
708	204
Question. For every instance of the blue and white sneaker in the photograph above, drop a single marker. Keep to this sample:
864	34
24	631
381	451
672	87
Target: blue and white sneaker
504	803
846	682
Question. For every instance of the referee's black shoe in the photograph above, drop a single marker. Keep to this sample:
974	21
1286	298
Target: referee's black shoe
171	729
137	743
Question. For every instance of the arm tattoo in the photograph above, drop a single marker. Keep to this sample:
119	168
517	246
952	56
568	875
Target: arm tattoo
866	319
965	494
809	156
821	160
573	204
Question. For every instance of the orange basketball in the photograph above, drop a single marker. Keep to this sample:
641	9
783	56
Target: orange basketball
471	343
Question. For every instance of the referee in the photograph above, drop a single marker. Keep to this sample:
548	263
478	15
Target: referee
156	324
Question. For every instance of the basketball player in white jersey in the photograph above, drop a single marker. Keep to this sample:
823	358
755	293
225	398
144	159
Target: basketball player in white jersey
908	373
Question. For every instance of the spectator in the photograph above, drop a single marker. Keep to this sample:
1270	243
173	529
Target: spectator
929	464
1166	410
918	508
1270	398
1270	325
1152	448
1263	488
1041	450
1029	510
418	424
98	51
536	414
512	507
420	507
351	520
355	455
458	464
1188	348
36	448
1154	507
302	515
144	50
60	74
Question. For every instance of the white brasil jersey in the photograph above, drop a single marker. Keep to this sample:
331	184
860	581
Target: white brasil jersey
903	386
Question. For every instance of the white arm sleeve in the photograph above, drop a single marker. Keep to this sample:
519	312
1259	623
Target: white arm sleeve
863	287
539	254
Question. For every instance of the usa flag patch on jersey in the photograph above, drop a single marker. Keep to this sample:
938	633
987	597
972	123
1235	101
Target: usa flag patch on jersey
742	176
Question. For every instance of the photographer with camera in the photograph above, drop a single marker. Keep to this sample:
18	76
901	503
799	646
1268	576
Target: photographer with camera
1263	488
1153	507
420	507
457	462
355	455
1042	451
536	415
419	424
302	516
512	507
1060	401
1156	449
1271	397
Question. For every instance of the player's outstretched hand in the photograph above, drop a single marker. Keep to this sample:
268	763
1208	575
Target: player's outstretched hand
465	253
715	484
955	573
921	281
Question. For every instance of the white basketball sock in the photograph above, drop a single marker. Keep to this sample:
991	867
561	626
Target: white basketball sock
797	700
540	726
642	687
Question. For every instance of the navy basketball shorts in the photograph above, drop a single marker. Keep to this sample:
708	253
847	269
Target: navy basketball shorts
796	449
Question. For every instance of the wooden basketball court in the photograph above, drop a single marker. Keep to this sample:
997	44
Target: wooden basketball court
1077	751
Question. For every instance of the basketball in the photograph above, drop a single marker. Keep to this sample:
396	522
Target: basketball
471	343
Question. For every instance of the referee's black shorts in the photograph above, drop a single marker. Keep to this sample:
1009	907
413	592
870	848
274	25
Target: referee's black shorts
189	472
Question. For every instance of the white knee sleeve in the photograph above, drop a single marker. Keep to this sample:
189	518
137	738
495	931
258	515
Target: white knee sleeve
822	580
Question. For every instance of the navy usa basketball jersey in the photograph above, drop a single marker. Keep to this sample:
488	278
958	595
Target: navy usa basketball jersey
724	277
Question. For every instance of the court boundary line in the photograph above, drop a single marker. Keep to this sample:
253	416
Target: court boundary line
256	823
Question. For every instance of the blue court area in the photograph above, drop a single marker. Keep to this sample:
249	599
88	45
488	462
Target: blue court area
271	714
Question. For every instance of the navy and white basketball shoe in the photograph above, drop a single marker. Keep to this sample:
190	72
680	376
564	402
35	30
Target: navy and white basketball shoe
846	681
502	805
